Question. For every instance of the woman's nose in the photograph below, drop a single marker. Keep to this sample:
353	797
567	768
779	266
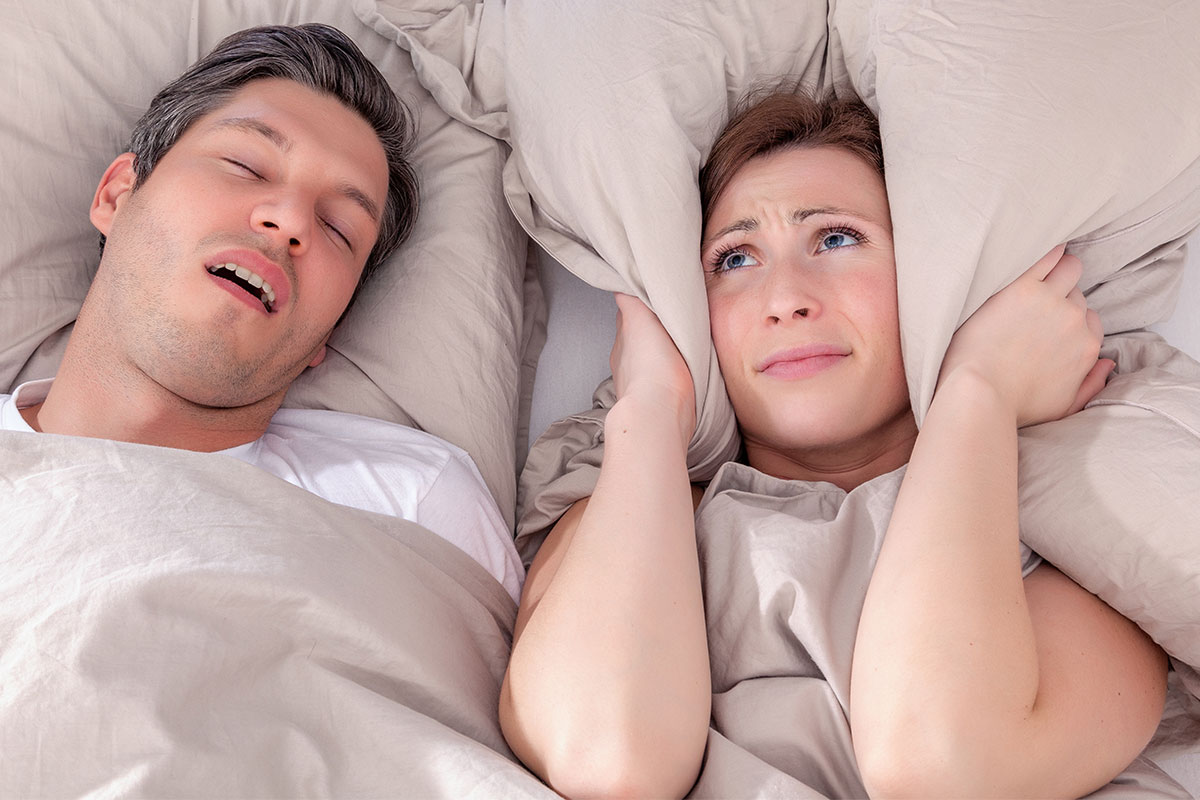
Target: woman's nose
790	295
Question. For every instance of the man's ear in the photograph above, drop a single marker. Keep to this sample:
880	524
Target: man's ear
115	186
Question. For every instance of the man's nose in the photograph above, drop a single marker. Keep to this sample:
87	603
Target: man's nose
285	221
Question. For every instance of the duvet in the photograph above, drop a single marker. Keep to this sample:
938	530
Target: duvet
176	623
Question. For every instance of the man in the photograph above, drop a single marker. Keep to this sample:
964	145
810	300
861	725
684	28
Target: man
261	189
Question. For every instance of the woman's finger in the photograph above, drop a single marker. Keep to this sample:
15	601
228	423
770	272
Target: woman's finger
1046	263
1092	383
1076	297
1065	275
624	301
1095	325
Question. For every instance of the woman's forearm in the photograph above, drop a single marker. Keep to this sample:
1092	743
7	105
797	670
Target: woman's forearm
608	690
945	665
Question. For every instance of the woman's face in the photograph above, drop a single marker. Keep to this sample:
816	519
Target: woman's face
801	283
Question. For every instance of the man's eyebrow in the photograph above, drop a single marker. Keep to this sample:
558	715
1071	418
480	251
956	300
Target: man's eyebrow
253	125
277	138
358	196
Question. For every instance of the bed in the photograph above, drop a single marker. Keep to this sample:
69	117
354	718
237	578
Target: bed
165	634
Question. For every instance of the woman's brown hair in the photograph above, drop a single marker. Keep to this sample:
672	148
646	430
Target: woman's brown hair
766	122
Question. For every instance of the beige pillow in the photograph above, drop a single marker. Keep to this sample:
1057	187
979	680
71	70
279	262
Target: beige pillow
1007	133
1012	136
438	336
1004	134
610	108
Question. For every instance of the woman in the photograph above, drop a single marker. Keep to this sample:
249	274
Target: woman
976	671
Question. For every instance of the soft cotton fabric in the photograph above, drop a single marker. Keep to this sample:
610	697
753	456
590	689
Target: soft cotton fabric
179	624
786	566
366	464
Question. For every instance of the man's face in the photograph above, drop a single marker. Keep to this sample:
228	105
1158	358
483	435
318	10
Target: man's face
225	272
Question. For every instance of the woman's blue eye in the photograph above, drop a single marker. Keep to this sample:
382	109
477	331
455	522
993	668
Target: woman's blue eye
736	259
836	239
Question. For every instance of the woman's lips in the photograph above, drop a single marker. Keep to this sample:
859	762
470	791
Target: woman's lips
801	362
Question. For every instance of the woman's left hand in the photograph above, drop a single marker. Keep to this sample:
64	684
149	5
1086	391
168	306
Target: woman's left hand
645	362
1035	342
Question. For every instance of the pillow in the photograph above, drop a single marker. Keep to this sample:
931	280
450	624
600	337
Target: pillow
435	340
1002	137
1005	134
610	108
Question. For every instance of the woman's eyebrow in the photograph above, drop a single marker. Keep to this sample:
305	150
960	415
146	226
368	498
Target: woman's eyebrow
801	214
797	216
745	225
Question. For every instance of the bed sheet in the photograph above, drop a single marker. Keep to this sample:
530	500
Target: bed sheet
183	624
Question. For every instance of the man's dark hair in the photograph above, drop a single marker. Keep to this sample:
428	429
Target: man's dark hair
317	56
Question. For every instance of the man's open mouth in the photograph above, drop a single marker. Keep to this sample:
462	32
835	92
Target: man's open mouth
247	279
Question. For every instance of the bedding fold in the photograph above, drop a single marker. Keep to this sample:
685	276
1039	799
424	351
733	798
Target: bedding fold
785	566
177	623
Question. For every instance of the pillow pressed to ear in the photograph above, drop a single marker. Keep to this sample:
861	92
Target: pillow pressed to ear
437	336
610	109
1002	137
1005	134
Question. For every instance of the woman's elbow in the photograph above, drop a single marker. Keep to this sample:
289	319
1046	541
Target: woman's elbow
927	764
620	772
585	766
577	758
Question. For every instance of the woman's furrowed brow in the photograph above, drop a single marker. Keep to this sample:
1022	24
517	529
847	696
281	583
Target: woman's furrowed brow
797	216
801	214
746	225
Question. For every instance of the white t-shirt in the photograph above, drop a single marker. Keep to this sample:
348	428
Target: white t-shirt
367	464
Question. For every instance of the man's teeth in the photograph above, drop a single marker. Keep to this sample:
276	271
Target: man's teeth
267	294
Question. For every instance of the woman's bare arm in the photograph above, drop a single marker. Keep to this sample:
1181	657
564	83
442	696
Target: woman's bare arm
968	681
608	690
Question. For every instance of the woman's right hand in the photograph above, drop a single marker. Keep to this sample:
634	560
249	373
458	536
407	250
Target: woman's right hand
647	365
608	690
1035	342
